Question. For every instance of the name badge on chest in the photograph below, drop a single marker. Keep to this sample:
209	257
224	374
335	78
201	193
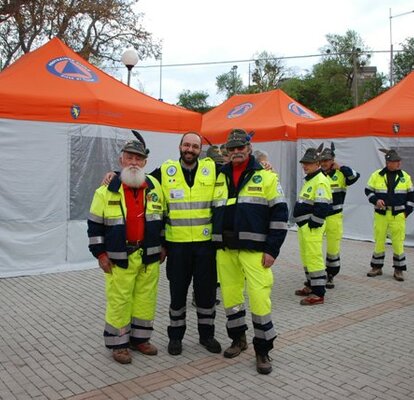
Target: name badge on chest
177	194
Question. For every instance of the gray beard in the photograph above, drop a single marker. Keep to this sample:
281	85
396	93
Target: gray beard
133	177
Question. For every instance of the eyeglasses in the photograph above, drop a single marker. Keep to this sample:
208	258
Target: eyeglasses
240	148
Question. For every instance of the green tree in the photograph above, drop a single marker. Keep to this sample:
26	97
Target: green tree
324	90
99	30
349	51
404	61
268	72
230	83
195	101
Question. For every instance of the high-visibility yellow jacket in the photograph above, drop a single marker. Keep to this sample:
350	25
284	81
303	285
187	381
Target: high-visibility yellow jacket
188	209
399	199
255	211
106	222
314	202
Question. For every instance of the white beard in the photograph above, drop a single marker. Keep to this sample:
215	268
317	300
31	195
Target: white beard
133	176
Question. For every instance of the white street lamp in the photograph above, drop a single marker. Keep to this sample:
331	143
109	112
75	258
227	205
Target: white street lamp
130	59
391	45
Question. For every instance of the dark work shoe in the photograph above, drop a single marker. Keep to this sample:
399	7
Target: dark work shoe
330	282
398	275
374	272
175	347
211	344
237	346
306	291
263	365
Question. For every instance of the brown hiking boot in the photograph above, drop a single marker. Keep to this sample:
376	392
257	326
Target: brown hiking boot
374	272
306	291
312	300
146	348
122	356
398	275
237	346
263	365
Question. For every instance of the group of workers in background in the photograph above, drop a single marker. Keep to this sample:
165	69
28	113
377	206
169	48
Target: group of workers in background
224	218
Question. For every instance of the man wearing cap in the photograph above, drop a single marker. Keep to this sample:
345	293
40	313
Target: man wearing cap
391	192
310	212
340	177
124	229
249	226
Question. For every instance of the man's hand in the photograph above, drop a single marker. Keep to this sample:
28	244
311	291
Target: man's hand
380	204
105	263
266	165
108	178
163	255
267	260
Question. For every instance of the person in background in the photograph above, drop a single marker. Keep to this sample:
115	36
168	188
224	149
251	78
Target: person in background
310	212
340	177
224	153
124	230
215	154
249	227
390	190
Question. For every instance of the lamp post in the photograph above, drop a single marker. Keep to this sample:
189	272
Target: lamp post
130	59
160	98
234	70
391	45
355	54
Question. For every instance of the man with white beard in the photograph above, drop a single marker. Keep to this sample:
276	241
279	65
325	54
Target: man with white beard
124	229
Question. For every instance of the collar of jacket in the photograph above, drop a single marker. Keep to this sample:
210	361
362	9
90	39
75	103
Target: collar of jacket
385	170
312	175
251	165
116	183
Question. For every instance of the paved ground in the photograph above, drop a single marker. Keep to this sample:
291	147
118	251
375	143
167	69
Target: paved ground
358	345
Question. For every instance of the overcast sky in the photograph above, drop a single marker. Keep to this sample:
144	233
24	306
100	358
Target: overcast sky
235	30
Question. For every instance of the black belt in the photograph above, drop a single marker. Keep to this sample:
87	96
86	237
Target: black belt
132	246
133	243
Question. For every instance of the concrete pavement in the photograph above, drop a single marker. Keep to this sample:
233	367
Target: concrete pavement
358	345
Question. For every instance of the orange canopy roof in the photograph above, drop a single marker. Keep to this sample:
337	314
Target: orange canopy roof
271	115
53	83
389	114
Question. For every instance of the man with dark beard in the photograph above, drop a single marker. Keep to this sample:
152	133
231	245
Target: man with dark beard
124	229
188	186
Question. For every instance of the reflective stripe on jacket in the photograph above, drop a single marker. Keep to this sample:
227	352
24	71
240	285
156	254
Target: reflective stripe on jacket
314	202
106	222
401	198
188	209
258	208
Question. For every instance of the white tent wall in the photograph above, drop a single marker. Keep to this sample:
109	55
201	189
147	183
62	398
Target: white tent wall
49	172
362	154
282	155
